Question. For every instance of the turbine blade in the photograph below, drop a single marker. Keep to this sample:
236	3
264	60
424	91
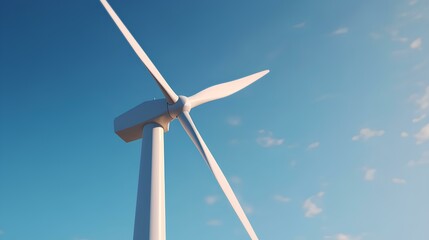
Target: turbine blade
191	130
224	89
169	94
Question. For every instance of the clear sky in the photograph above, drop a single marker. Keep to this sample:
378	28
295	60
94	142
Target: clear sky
332	144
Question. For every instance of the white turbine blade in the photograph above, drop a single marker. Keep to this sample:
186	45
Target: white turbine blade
191	130
224	89
169	94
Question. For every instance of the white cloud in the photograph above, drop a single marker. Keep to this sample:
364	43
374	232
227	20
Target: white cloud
313	145
366	133
341	30
424	160
1	232
342	236
369	174
398	181
281	198
310	207
404	134
416	44
266	139
214	222
234	121
423	101
299	25
210	200
423	135
419	118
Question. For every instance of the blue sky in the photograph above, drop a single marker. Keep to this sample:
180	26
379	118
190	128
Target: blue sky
332	144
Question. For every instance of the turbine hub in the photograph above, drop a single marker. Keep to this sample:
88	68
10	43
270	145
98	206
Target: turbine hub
182	105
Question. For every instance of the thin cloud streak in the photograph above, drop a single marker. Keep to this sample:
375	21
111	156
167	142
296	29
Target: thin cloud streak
266	139
214	222
399	181
419	118
313	145
340	31
366	133
423	135
281	198
299	25
423	101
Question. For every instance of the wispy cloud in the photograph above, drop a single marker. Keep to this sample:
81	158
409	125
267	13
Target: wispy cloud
369	174
313	145
214	222
423	101
419	118
366	133
281	198
404	134
1	232
397	37
398	181
234	121
342	236
423	135
299	25
266	139
416	44
310	207
341	30
210	200
423	160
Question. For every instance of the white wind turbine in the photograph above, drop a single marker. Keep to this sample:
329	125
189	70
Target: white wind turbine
149	121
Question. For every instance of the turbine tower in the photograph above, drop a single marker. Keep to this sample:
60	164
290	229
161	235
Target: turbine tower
149	121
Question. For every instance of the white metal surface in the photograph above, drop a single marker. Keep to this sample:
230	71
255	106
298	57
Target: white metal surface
154	118
149	221
169	94
224	89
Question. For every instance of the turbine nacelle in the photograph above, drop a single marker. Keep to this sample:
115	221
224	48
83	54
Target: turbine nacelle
129	125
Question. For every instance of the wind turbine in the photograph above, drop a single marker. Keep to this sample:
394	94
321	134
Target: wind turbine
149	121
